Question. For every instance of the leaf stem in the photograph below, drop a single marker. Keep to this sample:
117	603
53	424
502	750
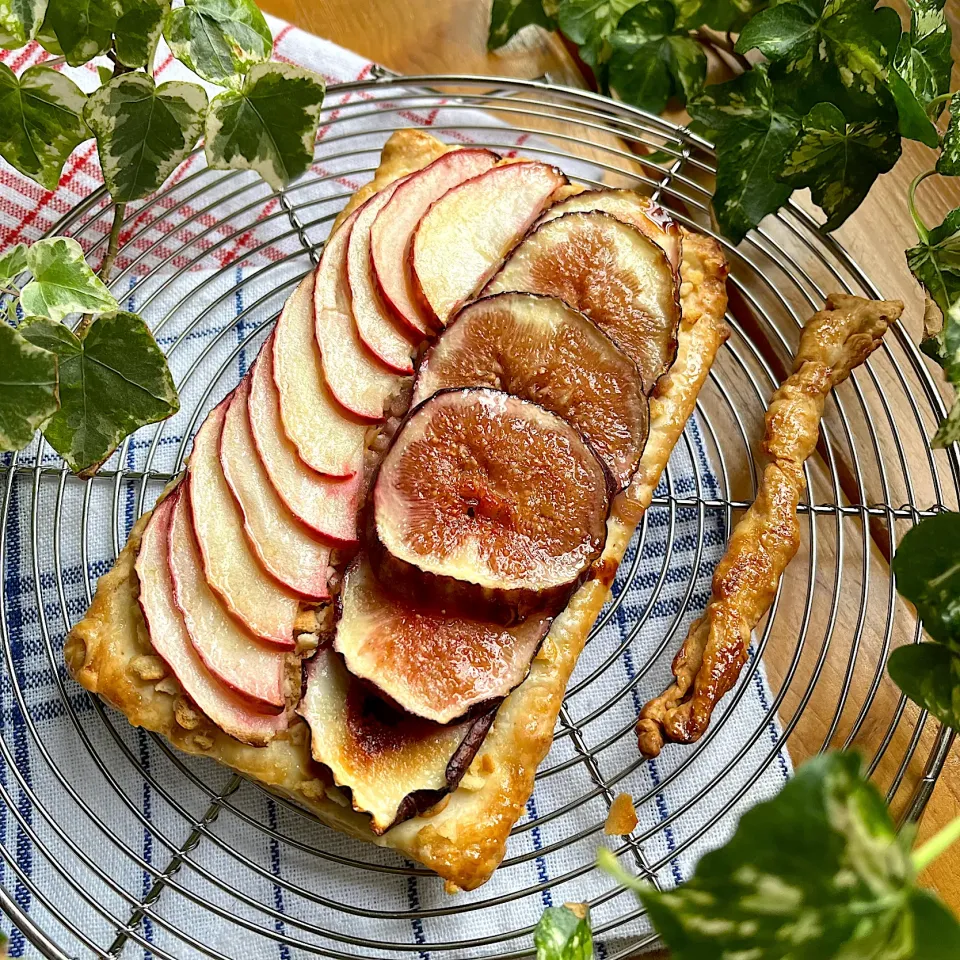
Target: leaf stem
106	265
10	291
722	44
938	844
921	227
936	101
54	62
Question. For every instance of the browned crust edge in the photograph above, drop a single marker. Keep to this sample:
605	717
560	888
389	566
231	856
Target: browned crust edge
464	839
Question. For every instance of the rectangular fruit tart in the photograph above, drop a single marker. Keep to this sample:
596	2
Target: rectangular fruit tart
372	583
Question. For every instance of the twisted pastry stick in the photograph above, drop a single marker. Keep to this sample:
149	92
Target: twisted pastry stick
834	341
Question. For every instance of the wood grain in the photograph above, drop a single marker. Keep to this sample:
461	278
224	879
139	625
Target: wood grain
393	34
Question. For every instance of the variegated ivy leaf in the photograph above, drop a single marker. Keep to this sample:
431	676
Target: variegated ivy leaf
112	381
62	282
839	161
42	122
219	39
137	30
28	388
589	23
12	264
719	14
269	125
948	163
144	131
48	39
509	16
19	21
83	28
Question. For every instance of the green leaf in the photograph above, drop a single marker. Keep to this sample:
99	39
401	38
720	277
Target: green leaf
753	134
835	51
19	21
137	30
12	264
219	39
588	23
62	282
936	931
111	382
28	388
648	63
929	674
144	131
921	69
104	74
83	28
817	873
839	161
948	162
927	568
935	262
42	114
269	126
719	14
48	39
563	935
507	17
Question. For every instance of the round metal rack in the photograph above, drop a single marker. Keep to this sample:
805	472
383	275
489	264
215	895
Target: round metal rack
116	845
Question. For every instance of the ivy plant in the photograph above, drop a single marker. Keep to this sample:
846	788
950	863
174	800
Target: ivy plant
89	387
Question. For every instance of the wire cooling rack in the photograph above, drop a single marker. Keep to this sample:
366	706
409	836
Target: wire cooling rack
212	236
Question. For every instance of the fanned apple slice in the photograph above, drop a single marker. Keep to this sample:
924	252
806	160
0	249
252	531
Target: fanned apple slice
391	235
258	601
394	765
463	237
488	503
540	349
279	540
233	656
380	333
360	383
328	506
169	637
325	436
433	665
610	271
646	215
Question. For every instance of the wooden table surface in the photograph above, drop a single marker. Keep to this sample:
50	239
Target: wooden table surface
442	36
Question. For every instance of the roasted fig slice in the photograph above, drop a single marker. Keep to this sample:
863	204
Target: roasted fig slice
646	215
437	666
487	503
471	228
610	271
540	349
394	765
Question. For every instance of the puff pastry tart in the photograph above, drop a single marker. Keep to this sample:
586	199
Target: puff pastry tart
370	587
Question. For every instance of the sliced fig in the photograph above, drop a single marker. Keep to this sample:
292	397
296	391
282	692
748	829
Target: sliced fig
394	765
610	271
488	503
540	349
434	665
379	331
645	214
168	635
470	229
392	232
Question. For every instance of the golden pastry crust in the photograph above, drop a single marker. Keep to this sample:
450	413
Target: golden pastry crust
834	341
462	838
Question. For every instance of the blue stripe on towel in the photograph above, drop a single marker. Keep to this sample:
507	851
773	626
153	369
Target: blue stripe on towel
278	925
542	874
413	902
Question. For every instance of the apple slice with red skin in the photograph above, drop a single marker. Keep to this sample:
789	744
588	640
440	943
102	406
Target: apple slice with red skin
465	235
489	504
380	333
238	660
645	214
280	541
361	384
394	765
244	587
540	349
169	637
609	271
324	435
391	234
326	505
430	664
